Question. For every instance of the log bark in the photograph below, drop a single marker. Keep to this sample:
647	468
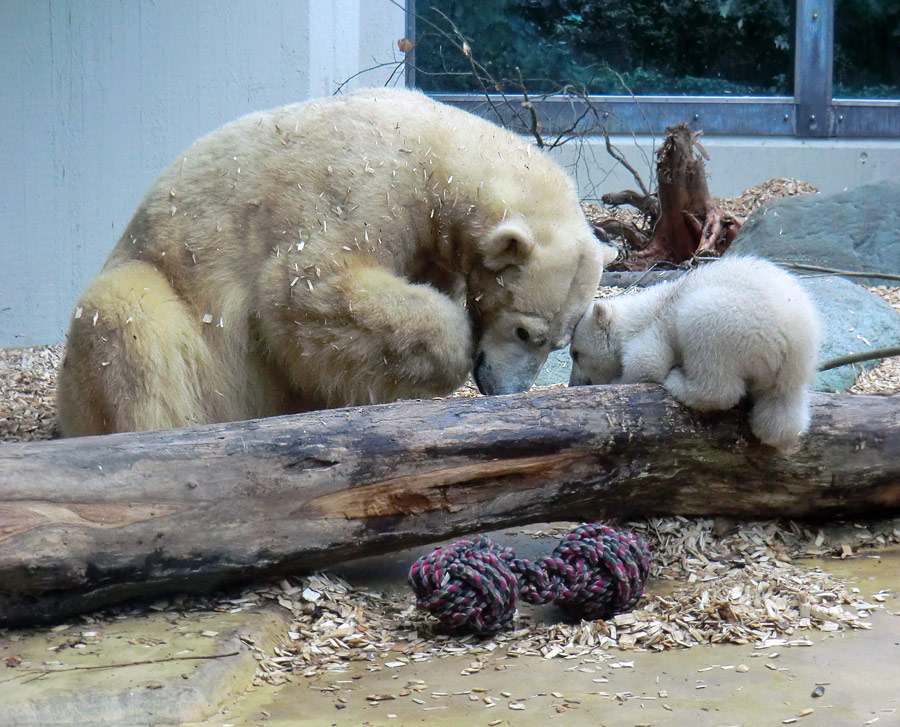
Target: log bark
88	522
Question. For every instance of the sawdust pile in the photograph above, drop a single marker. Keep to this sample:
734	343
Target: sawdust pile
28	392
740	587
884	378
756	196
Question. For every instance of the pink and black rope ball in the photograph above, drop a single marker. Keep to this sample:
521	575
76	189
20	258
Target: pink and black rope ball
593	573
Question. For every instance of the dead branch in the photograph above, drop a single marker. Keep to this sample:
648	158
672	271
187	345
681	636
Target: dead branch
631	233
690	221
852	358
833	271
646	204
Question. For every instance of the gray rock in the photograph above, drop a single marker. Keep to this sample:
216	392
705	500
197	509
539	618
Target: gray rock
853	319
854	230
557	368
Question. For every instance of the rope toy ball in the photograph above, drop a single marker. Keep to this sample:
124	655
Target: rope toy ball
593	573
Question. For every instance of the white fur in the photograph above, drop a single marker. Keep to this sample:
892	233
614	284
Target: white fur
739	326
337	252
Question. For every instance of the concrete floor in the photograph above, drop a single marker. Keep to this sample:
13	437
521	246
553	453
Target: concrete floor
703	686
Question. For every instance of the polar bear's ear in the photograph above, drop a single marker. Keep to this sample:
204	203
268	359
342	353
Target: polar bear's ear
603	314
509	243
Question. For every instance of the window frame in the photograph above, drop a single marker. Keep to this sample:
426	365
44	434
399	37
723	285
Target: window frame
811	113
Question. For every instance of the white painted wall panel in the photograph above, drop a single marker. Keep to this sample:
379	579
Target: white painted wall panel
96	98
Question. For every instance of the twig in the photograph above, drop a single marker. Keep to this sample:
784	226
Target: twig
832	271
466	50
636	239
570	133
617	155
611	150
390	78
825	271
852	358
526	104
502	111
396	64
637	105
85	667
640	280
486	81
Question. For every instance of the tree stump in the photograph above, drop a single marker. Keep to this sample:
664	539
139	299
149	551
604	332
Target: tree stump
684	219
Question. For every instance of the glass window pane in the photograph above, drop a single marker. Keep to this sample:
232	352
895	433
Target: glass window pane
867	49
675	47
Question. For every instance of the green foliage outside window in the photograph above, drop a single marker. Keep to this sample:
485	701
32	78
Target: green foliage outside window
609	46
644	47
867	49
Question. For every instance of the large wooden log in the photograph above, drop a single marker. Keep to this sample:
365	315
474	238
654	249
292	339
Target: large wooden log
87	522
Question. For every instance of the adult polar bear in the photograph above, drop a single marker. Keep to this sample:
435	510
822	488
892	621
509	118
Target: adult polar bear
337	252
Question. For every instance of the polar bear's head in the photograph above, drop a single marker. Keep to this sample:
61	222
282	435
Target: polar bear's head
596	358
525	295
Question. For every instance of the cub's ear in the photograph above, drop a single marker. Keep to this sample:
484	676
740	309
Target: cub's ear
509	243
603	314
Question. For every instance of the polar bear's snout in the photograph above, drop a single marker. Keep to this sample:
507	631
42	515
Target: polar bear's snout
507	370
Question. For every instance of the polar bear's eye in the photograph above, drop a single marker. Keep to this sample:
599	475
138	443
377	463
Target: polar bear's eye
522	334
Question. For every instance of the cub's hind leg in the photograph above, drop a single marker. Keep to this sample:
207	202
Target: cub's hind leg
779	419
135	358
705	389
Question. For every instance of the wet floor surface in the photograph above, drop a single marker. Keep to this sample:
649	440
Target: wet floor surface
843	678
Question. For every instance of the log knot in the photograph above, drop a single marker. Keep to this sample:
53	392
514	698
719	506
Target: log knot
593	573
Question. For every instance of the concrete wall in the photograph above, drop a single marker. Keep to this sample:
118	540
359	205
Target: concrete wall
96	98
737	163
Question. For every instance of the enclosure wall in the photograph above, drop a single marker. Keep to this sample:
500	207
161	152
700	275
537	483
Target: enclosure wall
96	98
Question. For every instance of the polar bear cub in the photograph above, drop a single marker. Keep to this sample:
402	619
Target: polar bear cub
739	326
